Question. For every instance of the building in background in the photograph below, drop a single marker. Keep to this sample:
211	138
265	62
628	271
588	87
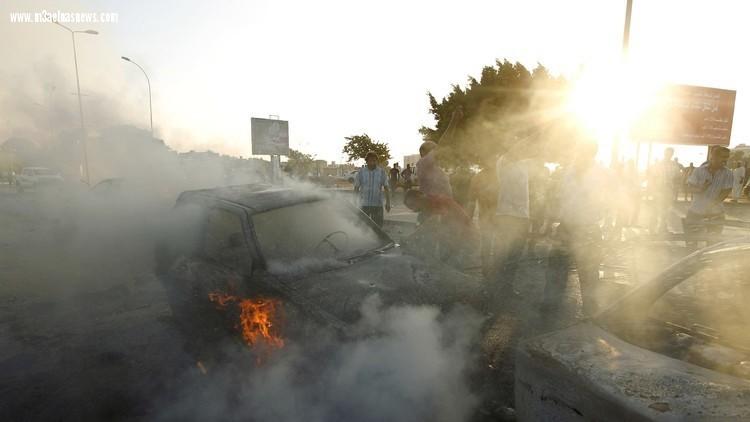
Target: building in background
411	159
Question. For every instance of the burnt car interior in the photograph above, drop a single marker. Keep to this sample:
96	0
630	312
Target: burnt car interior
224	240
702	320
318	229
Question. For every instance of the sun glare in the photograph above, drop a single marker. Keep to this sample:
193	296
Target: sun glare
607	101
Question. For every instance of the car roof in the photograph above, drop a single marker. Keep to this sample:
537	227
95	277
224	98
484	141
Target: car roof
254	197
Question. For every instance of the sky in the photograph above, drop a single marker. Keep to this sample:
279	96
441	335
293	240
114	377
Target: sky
340	68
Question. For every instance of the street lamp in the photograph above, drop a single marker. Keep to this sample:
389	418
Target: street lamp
80	104
150	110
625	49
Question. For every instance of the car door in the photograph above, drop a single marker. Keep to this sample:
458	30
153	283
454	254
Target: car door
216	261
224	261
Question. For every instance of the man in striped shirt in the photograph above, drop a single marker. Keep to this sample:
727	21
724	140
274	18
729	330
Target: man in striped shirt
711	183
371	184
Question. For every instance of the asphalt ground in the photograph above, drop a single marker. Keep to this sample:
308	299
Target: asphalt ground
89	335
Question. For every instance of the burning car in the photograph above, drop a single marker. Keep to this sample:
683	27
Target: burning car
264	259
675	348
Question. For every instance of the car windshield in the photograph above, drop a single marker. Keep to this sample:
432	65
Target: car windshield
702	319
713	301
322	230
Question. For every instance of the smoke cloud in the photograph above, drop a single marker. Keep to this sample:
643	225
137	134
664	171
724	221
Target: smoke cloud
413	364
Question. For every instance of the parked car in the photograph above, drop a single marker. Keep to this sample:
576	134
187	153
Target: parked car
675	348
349	177
34	177
316	254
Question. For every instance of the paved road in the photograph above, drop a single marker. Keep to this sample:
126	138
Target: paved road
87	333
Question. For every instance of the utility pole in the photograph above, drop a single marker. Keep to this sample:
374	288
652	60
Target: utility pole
80	103
625	48
626	34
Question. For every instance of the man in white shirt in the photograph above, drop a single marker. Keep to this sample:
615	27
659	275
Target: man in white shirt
511	217
584	194
711	183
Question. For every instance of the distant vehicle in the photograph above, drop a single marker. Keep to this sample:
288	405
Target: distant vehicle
675	348
349	177
35	177
318	256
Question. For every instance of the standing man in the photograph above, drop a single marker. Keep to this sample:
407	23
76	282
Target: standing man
511	217
711	183
685	176
371	184
483	198
393	177
585	190
739	178
406	177
663	179
432	179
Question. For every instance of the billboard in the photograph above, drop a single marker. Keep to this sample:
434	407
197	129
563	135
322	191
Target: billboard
687	115
269	136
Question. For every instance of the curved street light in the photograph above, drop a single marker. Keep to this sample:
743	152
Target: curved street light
150	110
80	104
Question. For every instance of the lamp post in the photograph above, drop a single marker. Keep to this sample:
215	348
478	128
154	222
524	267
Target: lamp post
150	110
626	33
625	47
80	103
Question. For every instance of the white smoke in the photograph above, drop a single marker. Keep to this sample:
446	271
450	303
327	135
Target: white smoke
413	365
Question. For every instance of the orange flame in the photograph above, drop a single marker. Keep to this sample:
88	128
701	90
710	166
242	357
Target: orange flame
257	318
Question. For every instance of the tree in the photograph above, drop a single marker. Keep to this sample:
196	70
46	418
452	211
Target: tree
507	103
358	146
299	163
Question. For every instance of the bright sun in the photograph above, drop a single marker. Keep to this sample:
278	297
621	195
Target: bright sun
606	101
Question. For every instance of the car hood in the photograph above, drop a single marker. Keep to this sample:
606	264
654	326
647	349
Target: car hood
397	278
586	366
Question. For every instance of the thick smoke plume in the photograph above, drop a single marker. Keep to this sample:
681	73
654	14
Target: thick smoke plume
412	365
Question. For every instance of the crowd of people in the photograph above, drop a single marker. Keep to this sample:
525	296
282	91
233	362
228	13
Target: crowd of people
516	199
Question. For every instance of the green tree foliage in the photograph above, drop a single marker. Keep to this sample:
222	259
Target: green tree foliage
299	163
357	146
506	104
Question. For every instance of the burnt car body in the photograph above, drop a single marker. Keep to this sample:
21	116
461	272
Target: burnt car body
319	255
675	348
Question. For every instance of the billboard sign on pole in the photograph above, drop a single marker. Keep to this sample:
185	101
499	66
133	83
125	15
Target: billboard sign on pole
687	115
269	136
